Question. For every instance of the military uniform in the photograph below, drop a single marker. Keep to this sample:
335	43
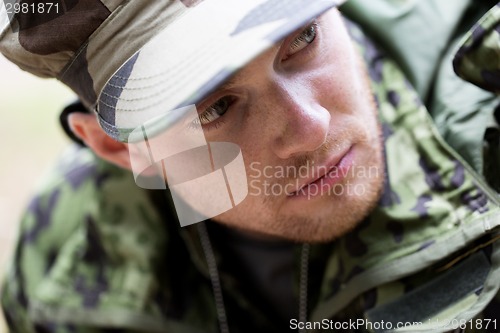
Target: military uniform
96	253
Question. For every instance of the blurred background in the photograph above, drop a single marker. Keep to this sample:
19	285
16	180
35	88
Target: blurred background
30	142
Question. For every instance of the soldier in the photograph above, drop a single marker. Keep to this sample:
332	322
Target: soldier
358	211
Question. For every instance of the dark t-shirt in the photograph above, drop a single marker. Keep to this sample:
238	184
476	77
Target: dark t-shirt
264	269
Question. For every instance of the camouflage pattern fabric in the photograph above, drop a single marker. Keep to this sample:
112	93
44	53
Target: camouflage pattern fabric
465	115
478	59
96	253
433	21
393	234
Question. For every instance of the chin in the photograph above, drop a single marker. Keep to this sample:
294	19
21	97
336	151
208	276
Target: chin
324	222
332	217
331	224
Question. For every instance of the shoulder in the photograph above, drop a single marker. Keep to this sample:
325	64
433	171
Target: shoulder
83	192
68	193
86	217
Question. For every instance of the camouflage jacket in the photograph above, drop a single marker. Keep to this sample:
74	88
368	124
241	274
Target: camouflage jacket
98	254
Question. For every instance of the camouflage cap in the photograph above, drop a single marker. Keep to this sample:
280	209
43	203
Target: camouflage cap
131	61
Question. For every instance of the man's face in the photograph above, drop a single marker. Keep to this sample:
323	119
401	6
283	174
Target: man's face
304	118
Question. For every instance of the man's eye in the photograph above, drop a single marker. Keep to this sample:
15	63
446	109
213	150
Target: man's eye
216	110
305	38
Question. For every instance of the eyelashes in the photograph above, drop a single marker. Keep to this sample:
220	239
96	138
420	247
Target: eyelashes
210	117
216	110
306	37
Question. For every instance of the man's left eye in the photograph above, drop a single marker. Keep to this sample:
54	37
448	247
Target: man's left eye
305	38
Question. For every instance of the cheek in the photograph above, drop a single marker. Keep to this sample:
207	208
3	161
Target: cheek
342	87
337	77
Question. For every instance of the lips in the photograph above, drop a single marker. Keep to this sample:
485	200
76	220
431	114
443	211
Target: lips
327	175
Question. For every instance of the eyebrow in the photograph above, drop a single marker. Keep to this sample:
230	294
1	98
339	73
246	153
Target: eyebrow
229	83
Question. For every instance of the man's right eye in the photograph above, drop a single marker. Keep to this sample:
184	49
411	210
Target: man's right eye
216	110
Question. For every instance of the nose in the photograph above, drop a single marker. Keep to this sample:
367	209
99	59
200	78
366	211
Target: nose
302	124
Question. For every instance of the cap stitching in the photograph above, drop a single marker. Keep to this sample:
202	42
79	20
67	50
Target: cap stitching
131	110
131	99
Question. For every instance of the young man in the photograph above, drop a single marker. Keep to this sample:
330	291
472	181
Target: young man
356	214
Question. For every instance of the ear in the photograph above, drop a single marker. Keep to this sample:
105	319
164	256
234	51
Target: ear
86	128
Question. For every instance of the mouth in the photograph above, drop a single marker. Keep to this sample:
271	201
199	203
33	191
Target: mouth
328	174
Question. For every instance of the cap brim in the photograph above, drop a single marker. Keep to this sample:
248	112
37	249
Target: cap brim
195	54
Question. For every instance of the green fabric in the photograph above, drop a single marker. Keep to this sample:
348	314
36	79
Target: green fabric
461	111
478	60
414	32
97	252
